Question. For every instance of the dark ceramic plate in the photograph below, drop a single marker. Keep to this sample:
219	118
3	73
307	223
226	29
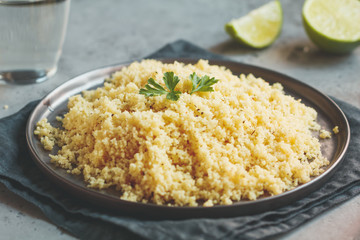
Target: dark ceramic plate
54	104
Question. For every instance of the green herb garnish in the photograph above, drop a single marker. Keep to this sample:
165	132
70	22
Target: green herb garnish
199	84
155	89
202	84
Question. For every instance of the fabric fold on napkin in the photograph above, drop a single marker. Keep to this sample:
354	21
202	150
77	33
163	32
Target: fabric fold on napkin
20	175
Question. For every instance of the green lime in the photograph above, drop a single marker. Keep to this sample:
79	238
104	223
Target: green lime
333	25
259	28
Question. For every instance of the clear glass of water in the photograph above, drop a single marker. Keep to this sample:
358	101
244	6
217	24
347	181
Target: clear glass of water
32	33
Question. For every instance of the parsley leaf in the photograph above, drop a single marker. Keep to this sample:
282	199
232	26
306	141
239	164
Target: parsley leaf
155	89
171	81
199	84
202	84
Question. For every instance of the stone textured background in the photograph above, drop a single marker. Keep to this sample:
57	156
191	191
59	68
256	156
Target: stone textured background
111	31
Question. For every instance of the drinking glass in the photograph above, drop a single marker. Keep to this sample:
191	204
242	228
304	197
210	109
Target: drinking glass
32	33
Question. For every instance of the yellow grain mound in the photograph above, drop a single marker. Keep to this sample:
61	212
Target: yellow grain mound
242	141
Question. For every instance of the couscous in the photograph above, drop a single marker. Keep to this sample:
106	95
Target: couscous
244	140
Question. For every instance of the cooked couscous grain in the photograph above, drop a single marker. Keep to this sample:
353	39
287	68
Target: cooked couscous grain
324	134
245	140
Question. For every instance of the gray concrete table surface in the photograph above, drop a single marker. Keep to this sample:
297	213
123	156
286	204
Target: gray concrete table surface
111	31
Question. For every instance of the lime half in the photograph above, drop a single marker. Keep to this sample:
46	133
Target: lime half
333	25
259	28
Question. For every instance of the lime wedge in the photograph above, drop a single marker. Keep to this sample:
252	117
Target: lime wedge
333	25
259	28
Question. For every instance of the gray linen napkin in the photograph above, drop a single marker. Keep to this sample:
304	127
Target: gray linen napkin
19	173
